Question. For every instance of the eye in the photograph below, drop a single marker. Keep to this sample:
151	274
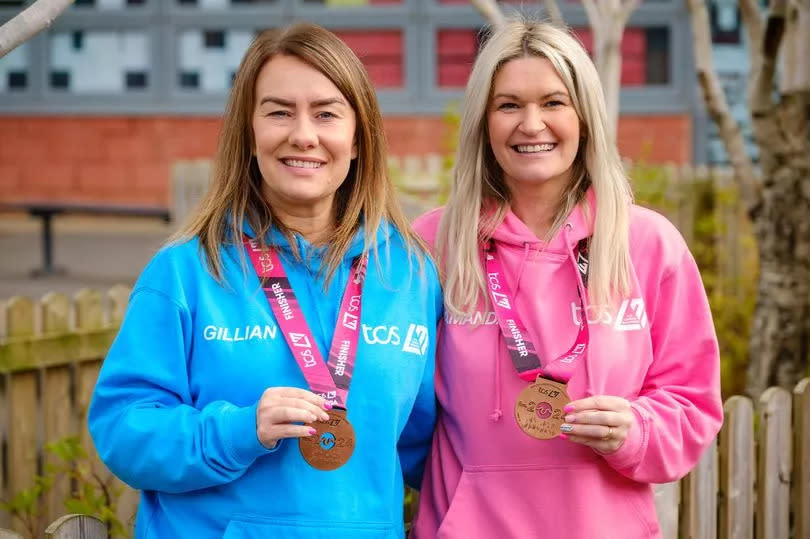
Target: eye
508	106
326	115
279	114
555	103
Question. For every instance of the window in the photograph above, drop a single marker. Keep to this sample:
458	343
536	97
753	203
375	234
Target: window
17	80
76	60
14	70
725	22
645	54
60	80
381	54
208	58
455	53
189	79
135	79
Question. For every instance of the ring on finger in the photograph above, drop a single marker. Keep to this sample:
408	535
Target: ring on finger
608	435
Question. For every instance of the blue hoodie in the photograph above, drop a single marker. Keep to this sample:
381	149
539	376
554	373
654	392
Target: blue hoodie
174	409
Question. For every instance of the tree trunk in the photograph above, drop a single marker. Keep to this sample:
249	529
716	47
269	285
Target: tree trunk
779	340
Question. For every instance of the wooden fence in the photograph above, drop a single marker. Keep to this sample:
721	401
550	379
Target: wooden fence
755	482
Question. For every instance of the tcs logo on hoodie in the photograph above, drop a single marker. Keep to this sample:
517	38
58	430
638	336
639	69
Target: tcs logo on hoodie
630	315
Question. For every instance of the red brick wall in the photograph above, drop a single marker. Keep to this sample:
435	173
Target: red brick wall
128	159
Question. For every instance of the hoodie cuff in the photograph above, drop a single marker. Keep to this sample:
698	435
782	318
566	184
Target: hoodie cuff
242	439
628	453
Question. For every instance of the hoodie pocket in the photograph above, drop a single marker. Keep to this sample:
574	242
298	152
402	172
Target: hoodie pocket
575	502
258	527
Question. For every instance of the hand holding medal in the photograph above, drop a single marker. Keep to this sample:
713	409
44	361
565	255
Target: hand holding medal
601	422
329	442
282	410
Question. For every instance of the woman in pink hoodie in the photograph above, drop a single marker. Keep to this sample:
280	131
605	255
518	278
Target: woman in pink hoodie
577	362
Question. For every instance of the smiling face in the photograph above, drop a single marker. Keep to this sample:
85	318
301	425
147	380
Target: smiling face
533	127
303	130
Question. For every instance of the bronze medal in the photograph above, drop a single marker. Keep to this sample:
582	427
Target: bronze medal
332	444
539	408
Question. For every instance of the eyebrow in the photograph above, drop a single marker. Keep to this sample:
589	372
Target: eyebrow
317	103
516	98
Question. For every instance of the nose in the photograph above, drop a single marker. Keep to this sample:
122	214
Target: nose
303	134
532	121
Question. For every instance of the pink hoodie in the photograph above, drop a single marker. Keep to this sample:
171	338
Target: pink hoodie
486	479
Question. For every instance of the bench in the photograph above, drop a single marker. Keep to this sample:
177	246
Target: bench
46	210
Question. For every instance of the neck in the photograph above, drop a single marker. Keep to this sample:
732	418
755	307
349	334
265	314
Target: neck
315	223
536	206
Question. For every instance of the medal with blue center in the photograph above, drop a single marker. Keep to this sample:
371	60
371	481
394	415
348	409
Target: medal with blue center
332	444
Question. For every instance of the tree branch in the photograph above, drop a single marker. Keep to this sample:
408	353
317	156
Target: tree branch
554	12
627	8
752	21
763	60
490	10
30	22
718	107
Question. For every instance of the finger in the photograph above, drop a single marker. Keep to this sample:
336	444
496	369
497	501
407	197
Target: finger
269	436
597	402
589	432
275	415
289	402
611	419
297	393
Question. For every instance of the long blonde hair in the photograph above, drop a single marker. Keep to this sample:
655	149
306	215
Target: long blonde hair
480	198
366	197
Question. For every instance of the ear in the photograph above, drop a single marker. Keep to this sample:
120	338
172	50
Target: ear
354	150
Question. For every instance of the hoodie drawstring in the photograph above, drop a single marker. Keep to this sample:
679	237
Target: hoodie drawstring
497	411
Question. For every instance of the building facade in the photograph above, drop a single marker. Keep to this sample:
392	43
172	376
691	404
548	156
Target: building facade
100	105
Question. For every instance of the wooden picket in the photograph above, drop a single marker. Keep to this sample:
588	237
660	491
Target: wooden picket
737	457
49	361
752	483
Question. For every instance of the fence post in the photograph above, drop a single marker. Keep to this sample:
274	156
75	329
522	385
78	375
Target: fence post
666	506
774	470
737	455
190	180
21	394
699	518
57	404
76	527
801	473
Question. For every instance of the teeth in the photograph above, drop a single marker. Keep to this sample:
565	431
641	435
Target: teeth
536	148
301	164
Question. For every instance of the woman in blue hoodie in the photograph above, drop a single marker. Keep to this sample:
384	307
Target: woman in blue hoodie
273	376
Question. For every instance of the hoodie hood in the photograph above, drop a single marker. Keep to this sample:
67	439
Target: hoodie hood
578	225
314	254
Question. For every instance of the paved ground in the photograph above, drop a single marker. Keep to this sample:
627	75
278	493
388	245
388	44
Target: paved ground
96	252
93	251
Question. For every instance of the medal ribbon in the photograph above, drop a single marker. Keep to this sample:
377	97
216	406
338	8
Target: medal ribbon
330	379
521	347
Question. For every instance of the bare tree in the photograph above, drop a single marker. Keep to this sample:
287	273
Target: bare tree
31	21
607	19
778	195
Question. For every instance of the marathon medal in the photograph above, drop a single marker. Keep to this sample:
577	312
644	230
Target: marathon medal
539	407
333	443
